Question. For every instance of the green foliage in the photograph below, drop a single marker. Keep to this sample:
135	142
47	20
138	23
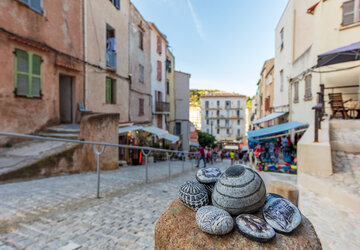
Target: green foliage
196	93
205	139
248	102
8	144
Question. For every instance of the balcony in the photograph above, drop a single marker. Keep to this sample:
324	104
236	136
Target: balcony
162	107
111	59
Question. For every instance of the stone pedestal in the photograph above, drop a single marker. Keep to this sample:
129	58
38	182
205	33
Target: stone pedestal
177	229
285	190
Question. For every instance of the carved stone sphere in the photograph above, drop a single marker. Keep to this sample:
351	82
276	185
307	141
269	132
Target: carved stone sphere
239	190
254	228
208	175
193	195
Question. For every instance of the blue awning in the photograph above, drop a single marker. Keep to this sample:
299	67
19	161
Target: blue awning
193	144
277	129
344	54
270	117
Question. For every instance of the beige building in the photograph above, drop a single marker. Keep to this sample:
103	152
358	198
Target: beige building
300	40
140	68
265	95
195	116
107	51
170	89
223	116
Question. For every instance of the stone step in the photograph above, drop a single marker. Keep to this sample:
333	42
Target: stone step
341	189
60	135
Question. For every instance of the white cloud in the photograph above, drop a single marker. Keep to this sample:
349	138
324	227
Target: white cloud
196	20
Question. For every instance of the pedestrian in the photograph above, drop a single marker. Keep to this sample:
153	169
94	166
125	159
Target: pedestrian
232	154
202	157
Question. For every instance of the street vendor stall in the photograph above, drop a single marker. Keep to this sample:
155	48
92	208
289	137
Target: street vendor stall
274	148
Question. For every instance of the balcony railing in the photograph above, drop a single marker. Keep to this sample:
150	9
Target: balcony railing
162	107
111	59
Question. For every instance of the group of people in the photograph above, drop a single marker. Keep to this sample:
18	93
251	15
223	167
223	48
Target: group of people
208	155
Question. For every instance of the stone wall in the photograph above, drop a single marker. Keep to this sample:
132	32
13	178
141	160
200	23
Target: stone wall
99	128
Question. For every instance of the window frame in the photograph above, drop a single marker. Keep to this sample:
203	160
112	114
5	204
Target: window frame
141	73
112	93
282	80
308	92
355	12
29	74
141	106
296	92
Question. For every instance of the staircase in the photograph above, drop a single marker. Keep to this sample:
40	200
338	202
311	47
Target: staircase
65	131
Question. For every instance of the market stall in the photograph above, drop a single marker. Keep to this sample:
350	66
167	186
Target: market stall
274	148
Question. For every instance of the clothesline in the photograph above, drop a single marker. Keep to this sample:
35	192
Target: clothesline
277	136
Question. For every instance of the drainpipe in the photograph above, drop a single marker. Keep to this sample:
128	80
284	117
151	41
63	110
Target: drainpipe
85	51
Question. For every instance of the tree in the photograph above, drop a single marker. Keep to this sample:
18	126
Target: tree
205	139
248	102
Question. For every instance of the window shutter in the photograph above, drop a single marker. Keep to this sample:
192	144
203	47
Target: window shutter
21	73
159	70
25	1
159	44
308	86
348	12
36	5
108	90
36	76
117	4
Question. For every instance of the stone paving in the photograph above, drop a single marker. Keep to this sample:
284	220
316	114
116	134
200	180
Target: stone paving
62	211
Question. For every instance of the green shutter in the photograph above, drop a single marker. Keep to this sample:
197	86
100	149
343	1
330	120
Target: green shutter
36	76
108	90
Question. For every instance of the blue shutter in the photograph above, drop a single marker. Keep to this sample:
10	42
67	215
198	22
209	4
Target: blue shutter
24	1
36	5
117	4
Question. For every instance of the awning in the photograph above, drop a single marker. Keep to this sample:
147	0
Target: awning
161	133
270	117
245	148
193	144
231	147
340	55
124	130
277	129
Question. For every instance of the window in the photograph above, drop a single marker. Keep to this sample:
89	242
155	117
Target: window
141	39
218	122
159	70
110	47
228	131
238	103
110	91
227	123
158	96
178	128
281	80
296	92
206	114
168	65
238	132
159	45
308	87
218	131
282	39
34	4
218	103
238	113
227	113
207	104
351	12
238	122
218	113
167	87
27	74
207	122
141	73
208	131
116	3
267	103
141	106
228	104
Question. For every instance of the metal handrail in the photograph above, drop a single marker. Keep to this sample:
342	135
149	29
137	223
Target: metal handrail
144	150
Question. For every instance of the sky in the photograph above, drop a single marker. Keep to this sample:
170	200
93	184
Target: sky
222	44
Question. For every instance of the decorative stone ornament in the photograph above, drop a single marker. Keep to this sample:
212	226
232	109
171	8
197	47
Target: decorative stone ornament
209	189
193	195
208	175
254	228
239	190
213	220
270	196
282	215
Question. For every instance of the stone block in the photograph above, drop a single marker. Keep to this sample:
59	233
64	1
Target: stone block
177	229
284	189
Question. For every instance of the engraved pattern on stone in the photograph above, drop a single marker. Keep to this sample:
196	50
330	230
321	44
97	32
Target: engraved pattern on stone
239	190
282	215
213	220
193	195
254	228
208	175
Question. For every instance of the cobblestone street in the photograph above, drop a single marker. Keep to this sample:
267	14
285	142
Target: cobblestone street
62	211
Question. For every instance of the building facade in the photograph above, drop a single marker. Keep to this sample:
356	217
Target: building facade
170	89
223	116
140	69
107	51
182	99
41	75
160	107
195	116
